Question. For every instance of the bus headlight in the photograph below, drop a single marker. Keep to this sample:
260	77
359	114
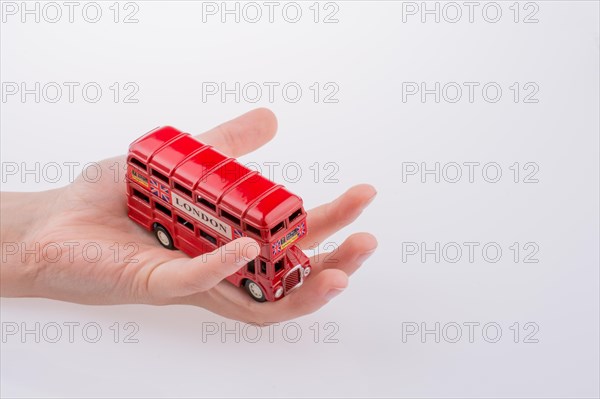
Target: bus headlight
279	292
306	271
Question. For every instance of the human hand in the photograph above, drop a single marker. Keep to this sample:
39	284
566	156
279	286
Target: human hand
131	267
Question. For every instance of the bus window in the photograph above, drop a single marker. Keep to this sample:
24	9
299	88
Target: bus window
184	190
295	215
141	196
208	237
206	203
277	228
263	267
253	230
229	216
278	265
251	267
160	176
138	163
185	223
162	208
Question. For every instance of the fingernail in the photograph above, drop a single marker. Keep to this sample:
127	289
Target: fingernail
332	293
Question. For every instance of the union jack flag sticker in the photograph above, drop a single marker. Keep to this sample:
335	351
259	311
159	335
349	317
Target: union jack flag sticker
160	190
238	234
301	229
276	247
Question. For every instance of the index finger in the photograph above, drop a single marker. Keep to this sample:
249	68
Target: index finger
243	134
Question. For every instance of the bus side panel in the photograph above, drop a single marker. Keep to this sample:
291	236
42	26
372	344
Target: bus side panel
139	211
188	243
164	221
140	218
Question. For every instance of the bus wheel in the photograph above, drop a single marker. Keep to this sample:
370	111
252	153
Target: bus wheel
163	236
255	291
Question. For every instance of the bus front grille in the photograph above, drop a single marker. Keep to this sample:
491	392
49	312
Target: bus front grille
293	279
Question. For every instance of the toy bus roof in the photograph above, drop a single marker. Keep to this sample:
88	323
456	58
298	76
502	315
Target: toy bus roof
219	178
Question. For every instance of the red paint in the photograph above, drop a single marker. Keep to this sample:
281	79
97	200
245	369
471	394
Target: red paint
212	199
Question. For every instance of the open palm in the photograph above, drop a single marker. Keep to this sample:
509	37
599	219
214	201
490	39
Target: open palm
93	253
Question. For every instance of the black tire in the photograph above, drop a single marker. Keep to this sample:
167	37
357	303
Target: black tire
163	237
253	290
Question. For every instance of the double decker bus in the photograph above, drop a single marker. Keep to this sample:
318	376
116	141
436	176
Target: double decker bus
196	199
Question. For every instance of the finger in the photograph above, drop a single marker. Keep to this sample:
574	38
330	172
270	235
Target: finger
327	281
243	134
329	278
331	217
310	297
186	276
349	256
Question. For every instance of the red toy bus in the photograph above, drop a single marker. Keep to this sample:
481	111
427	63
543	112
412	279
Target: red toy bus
196	199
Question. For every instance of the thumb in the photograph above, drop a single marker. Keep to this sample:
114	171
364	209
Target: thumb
187	276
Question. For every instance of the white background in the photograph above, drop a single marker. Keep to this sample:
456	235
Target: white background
368	133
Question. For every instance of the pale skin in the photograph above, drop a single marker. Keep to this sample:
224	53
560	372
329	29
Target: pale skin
96	212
